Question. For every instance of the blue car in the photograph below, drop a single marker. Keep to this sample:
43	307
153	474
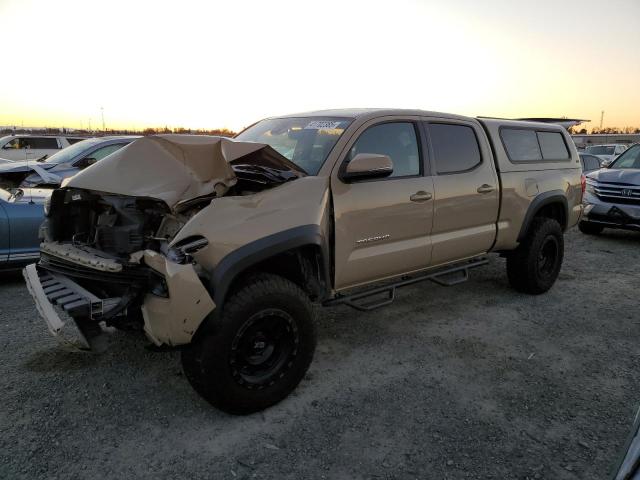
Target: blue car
21	213
66	163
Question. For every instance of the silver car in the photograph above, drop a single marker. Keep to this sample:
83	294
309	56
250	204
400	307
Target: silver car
612	196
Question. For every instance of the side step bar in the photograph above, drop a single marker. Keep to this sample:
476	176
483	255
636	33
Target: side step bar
447	277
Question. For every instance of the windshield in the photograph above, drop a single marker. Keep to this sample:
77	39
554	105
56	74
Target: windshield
601	150
628	159
69	153
306	141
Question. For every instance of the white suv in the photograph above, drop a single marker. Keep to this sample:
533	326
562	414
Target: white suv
606	153
33	147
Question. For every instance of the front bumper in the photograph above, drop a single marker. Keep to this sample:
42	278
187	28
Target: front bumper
611	215
50	291
73	314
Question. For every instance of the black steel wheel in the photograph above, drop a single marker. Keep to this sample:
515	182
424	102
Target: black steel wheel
264	348
258	350
535	265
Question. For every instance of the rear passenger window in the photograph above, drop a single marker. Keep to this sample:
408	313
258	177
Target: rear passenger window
521	145
397	140
552	146
455	147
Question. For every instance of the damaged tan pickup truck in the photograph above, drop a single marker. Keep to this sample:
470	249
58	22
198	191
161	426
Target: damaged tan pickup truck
221	247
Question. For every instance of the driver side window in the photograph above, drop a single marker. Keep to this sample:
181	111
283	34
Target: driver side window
398	140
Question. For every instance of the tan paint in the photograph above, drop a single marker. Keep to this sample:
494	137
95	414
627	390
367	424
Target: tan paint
379	232
379	208
174	320
232	222
466	205
172	168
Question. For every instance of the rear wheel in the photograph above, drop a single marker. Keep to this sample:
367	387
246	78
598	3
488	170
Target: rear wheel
590	228
534	266
258	351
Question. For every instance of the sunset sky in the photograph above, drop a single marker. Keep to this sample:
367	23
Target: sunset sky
206	64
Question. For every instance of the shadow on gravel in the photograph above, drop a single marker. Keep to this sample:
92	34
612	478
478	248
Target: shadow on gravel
622	237
11	277
59	359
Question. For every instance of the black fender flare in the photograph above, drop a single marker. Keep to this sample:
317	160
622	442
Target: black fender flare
253	253
542	200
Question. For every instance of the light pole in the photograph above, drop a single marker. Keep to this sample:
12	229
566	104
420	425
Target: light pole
102	113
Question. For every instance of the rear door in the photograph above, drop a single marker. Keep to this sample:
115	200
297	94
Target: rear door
466	190
382	226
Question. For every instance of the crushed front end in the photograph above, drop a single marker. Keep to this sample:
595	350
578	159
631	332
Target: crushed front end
105	262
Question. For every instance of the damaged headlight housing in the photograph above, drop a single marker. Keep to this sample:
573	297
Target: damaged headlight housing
183	250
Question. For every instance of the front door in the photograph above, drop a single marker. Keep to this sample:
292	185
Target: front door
382	226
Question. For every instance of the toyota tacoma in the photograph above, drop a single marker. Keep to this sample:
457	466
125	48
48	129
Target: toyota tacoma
223	247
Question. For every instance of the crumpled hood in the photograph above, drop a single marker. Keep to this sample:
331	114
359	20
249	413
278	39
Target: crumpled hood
174	168
629	176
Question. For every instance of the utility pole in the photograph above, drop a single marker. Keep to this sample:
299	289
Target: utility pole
601	118
102	113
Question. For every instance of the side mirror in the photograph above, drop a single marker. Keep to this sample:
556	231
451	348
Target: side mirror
367	166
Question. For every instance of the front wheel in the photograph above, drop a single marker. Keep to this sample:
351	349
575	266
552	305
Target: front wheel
258	351
535	265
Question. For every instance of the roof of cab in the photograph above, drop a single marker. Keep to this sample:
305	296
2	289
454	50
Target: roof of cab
370	113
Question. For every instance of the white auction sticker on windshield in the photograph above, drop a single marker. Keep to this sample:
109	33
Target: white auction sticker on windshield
322	125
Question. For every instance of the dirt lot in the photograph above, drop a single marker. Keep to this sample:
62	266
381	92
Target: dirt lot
473	381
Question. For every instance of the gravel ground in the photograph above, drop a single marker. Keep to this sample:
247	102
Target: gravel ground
473	381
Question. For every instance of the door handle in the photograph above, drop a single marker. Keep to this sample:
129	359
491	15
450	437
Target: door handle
485	188
421	196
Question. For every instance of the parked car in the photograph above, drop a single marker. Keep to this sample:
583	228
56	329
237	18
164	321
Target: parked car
590	163
21	213
219	246
606	153
612	197
33	147
63	164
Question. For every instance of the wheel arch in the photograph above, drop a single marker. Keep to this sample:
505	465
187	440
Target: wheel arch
299	254
551	204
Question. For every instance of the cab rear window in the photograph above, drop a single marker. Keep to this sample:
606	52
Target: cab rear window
525	145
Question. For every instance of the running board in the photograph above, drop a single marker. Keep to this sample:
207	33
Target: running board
447	277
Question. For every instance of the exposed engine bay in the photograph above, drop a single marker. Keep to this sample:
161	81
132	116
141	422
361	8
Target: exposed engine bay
99	239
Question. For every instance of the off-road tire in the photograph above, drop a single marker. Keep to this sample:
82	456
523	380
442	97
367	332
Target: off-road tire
534	266
590	228
218	364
